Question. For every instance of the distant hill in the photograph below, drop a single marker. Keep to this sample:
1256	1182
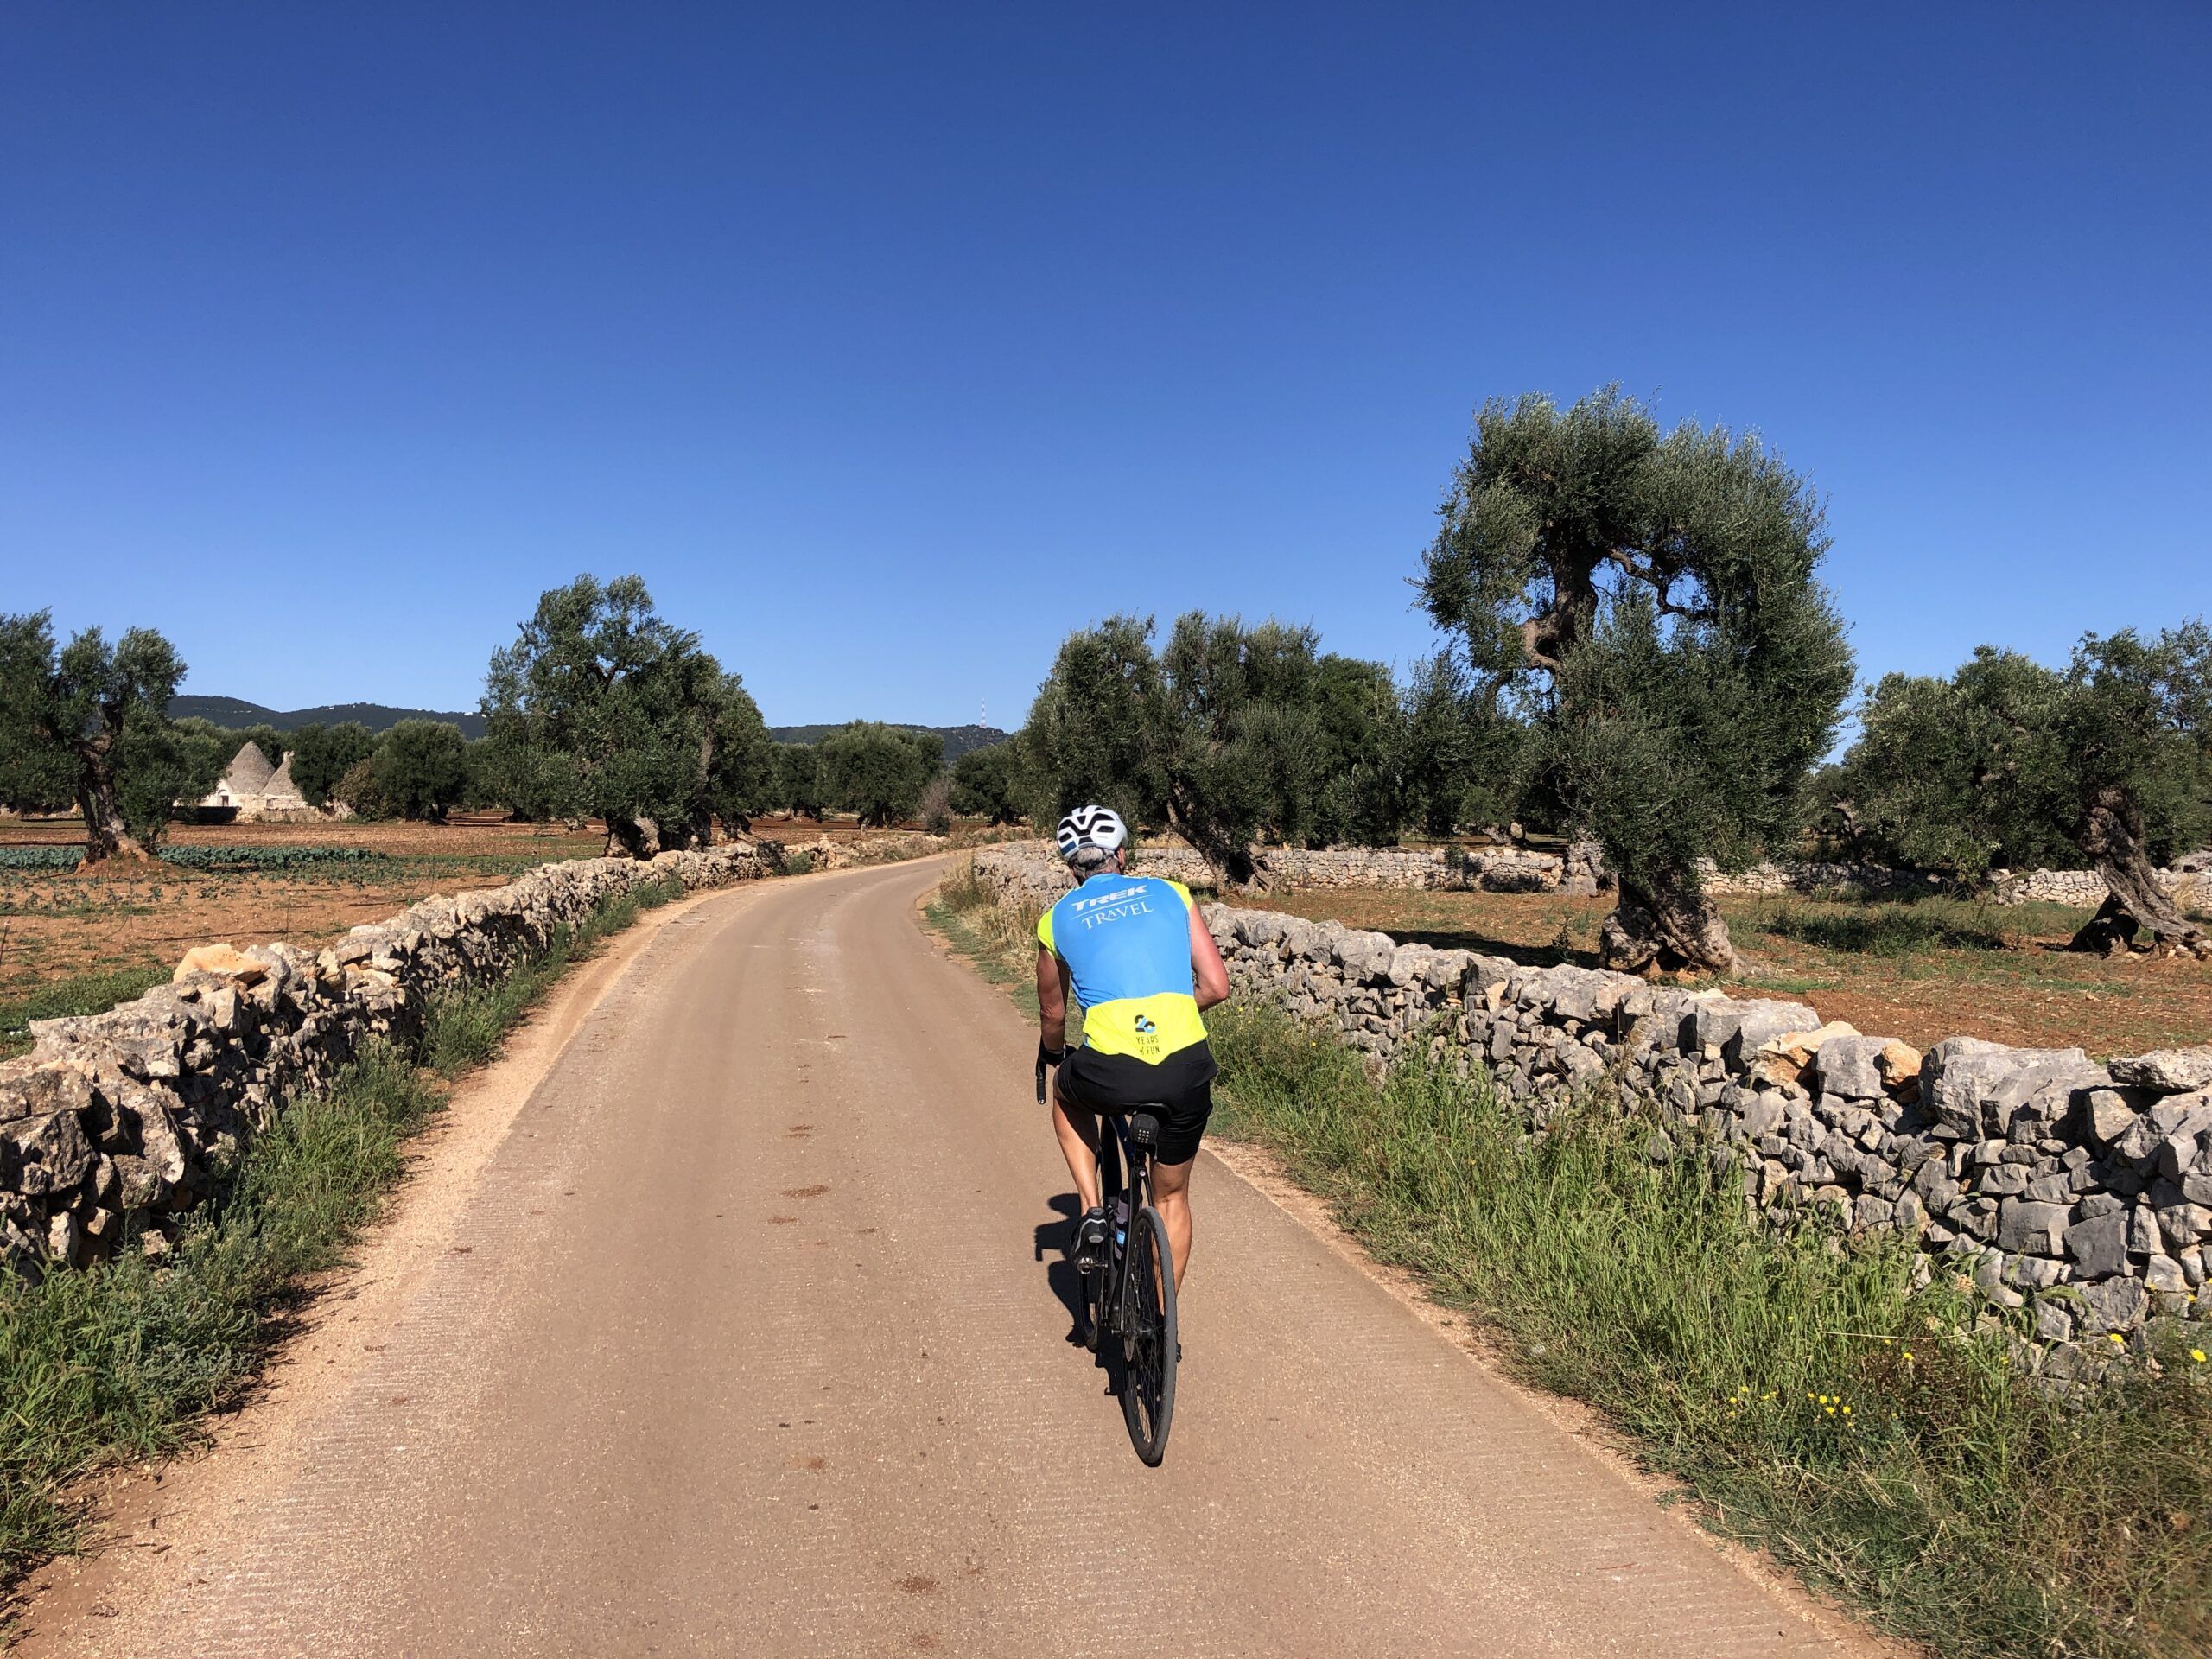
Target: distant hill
958	740
236	713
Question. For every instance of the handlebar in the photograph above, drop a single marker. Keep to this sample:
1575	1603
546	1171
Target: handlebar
1040	1083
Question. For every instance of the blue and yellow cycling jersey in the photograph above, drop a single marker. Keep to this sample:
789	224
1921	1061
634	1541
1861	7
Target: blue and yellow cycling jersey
1126	940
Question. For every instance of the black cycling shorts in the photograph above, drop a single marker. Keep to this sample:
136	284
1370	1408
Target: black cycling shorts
1179	1090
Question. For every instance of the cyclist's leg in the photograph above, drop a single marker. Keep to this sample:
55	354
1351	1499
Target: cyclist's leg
1078	1133
1171	1195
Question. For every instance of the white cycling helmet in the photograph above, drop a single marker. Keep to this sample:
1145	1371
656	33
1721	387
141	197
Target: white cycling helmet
1091	828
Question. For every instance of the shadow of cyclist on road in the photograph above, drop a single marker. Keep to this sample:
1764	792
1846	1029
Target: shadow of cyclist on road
1053	1238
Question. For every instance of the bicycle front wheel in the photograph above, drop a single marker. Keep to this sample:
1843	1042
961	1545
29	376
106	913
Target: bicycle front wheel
1148	1384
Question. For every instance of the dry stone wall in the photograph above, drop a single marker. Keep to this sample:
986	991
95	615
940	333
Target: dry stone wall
2075	1192
1488	869
116	1123
1514	869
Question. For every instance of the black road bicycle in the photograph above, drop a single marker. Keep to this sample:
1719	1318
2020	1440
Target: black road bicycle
1128	1298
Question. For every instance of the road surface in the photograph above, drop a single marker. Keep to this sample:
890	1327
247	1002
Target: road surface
749	1338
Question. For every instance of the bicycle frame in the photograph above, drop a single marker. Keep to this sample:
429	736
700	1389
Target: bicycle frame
1115	1152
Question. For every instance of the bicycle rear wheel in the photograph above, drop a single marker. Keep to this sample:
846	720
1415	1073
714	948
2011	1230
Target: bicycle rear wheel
1148	1382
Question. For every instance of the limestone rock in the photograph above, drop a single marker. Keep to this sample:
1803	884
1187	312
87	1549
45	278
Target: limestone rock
2167	1070
1784	1059
225	960
2098	1245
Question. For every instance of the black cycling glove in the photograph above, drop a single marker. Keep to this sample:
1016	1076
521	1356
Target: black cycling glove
1051	1055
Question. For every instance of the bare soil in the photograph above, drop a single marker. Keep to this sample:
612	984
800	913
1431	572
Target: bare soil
2020	985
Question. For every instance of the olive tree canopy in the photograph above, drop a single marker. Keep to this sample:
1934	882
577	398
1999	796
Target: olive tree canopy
323	754
1653	599
419	770
987	782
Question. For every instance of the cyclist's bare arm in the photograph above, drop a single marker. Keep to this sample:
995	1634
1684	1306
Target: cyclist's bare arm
1051	999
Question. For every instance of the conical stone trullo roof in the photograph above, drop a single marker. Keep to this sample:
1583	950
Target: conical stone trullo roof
249	772
280	791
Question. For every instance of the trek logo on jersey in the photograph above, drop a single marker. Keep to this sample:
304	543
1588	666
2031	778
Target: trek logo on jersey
1105	899
1110	906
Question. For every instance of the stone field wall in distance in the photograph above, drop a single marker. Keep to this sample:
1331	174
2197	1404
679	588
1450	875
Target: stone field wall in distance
1513	869
2080	1193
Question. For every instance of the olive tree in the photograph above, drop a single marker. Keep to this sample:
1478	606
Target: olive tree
419	770
1456	752
1654	597
987	782
100	711
603	706
2008	763
323	754
1089	735
879	772
797	781
1230	735
2131	747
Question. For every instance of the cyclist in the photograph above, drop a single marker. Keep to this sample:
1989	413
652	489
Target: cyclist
1135	952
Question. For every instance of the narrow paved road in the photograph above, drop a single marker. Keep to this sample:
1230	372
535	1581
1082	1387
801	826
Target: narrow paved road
756	1347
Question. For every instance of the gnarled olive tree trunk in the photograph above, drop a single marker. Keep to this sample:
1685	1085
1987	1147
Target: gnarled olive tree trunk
107	835
638	838
2111	837
1238	866
1666	926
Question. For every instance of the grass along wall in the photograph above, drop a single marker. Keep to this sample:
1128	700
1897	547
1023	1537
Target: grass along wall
2073	1196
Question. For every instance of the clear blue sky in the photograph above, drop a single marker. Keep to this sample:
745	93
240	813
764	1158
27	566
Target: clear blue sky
891	342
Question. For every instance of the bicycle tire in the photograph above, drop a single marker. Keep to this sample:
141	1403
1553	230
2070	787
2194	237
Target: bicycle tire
1148	1379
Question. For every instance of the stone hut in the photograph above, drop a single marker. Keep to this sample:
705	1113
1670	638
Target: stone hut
243	783
252	789
280	796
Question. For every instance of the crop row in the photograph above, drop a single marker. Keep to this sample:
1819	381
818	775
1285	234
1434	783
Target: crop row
200	858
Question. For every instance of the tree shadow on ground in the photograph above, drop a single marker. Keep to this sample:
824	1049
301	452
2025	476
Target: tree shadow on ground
1526	956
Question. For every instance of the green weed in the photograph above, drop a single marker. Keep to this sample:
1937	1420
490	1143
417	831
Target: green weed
84	994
